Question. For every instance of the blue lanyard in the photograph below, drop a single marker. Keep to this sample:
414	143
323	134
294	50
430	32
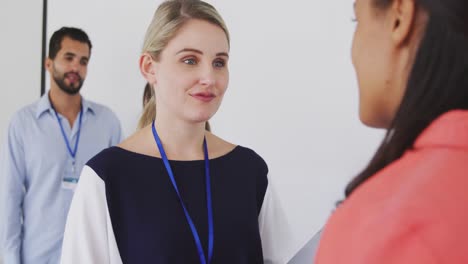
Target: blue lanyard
72	152
208	200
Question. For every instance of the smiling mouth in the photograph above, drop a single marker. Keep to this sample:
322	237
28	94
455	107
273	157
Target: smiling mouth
72	77
204	97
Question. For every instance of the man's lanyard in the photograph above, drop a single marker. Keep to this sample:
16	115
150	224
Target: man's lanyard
208	200
70	151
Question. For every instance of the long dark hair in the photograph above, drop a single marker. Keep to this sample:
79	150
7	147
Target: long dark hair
438	81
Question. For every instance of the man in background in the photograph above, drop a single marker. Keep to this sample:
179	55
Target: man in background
48	143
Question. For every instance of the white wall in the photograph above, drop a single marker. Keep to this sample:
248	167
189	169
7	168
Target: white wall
292	95
20	63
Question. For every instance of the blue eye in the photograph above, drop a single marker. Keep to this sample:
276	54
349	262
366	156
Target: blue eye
190	61
219	63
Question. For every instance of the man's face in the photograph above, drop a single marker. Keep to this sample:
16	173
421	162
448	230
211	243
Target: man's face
69	67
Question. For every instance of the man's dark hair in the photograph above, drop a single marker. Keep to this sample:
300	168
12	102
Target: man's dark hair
55	43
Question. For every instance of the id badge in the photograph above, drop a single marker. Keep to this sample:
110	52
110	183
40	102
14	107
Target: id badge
69	183
70	177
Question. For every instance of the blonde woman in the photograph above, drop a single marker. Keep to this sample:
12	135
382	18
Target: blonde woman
174	192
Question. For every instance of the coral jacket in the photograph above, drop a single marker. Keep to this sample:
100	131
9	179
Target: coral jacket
415	210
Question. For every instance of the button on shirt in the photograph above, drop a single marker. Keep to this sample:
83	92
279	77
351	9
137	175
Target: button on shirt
34	165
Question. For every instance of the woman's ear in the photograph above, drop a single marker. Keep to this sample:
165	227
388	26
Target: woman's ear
147	68
403	20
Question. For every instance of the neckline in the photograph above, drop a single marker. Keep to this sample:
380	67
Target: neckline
224	156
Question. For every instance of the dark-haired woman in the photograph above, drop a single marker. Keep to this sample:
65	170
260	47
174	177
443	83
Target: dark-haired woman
409	205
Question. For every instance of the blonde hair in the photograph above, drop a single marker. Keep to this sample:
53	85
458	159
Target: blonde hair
170	16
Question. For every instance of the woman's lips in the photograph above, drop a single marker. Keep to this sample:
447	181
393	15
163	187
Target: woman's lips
205	97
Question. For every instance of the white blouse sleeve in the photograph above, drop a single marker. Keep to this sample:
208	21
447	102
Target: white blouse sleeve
275	231
89	237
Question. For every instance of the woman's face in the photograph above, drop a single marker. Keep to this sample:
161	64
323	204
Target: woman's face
382	57
191	75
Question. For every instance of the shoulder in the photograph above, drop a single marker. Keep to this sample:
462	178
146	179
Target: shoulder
253	158
423	204
23	116
105	161
252	162
244	155
101	110
104	117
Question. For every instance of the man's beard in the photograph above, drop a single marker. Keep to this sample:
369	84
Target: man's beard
69	89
